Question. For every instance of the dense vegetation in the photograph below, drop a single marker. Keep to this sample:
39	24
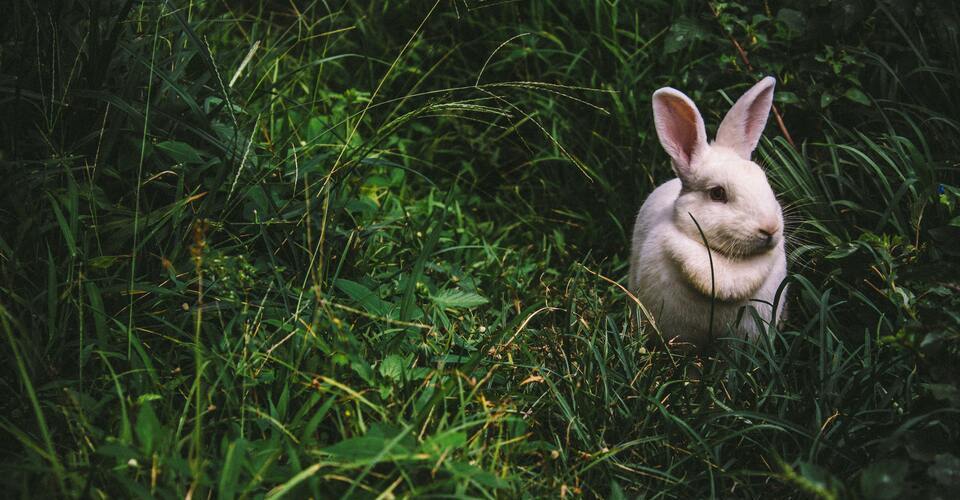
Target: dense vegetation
375	249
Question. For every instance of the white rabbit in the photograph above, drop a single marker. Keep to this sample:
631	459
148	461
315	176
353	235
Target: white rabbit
729	196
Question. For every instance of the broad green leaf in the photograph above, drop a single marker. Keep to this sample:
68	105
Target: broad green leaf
683	32
856	95
361	367
368	299
438	444
374	443
784	97
825	99
180	152
458	299
64	227
794	20
148	429
103	261
117	450
358	448
843	251
145	398
392	366
231	468
818	478
616	492
97	311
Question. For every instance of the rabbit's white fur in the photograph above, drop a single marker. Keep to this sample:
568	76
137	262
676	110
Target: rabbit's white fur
669	266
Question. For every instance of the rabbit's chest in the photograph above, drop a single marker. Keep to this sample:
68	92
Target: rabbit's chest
679	308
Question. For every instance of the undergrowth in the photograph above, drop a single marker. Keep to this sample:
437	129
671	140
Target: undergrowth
376	249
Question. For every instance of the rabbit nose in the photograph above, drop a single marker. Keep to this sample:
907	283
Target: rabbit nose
767	235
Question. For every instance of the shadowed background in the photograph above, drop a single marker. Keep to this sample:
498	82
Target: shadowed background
368	248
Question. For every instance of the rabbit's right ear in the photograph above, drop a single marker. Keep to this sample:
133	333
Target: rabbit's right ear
680	128
740	130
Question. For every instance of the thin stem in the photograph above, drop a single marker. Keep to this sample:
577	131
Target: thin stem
713	297
136	204
746	62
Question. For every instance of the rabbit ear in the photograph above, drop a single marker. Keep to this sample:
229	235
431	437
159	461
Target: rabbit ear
680	128
740	130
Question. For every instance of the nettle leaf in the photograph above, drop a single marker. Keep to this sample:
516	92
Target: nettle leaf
180	152
392	366
683	32
458	299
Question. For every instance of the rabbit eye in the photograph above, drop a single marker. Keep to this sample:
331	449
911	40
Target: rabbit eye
718	194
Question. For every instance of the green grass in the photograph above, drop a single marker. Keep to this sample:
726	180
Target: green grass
376	249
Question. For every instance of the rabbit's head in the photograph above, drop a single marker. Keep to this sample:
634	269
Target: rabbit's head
726	192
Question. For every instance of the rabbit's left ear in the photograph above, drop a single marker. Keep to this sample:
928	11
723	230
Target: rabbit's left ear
740	130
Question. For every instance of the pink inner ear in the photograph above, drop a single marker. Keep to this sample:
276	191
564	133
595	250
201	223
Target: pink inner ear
683	122
742	127
679	127
756	119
